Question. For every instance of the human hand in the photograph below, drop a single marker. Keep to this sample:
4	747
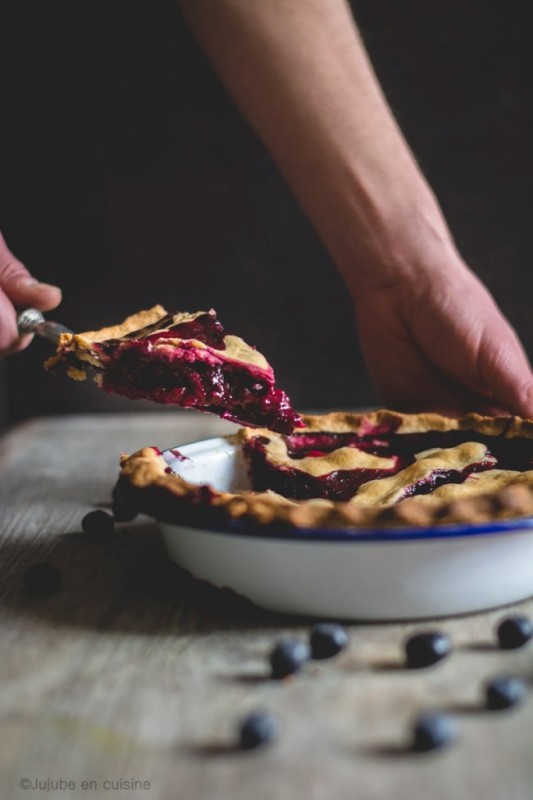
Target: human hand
442	344
19	288
432	336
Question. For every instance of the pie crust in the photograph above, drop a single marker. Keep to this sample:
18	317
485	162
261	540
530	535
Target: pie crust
186	359
466	470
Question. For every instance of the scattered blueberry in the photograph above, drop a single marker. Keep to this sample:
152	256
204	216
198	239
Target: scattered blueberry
514	632
288	657
434	730
425	649
42	579
502	693
256	729
98	524
327	640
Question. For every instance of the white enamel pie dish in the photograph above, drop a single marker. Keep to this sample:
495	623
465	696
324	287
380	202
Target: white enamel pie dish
375	574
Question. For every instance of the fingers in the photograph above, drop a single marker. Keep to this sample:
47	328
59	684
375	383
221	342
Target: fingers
10	341
468	341
506	370
451	357
21	287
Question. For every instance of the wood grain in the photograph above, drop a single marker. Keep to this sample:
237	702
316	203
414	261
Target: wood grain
136	671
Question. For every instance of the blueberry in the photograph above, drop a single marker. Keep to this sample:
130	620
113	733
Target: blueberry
434	730
288	657
42	579
425	649
256	729
514	632
327	640
504	693
98	524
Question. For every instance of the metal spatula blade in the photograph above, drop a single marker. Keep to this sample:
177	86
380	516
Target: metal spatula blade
32	321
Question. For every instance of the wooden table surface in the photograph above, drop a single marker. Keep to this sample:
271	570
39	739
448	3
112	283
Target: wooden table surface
136	672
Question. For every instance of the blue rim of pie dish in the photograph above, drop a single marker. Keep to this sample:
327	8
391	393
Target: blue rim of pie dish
361	535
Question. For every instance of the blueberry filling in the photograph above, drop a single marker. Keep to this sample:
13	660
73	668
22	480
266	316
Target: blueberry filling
241	393
188	364
319	444
441	476
230	391
341	485
205	328
516	454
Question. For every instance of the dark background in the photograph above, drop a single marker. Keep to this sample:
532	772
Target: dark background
128	177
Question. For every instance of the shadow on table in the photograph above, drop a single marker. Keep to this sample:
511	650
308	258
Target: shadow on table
124	583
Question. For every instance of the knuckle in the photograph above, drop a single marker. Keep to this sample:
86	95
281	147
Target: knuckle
11	268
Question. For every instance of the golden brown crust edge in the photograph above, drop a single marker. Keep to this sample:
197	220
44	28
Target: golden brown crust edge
146	478
134	322
345	421
81	342
81	345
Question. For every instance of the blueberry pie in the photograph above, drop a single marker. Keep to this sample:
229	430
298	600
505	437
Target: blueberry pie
362	470
183	359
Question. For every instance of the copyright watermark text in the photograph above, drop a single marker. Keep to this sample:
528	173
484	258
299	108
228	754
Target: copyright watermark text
67	784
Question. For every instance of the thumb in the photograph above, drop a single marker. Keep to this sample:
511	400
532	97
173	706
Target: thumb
21	287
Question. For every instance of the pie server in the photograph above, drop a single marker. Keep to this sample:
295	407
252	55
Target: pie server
32	321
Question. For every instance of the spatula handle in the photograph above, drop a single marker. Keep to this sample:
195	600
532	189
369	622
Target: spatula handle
32	321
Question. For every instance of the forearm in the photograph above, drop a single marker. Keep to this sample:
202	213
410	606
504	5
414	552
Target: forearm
301	76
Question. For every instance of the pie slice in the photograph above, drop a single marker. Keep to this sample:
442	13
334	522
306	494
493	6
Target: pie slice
182	359
355	470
